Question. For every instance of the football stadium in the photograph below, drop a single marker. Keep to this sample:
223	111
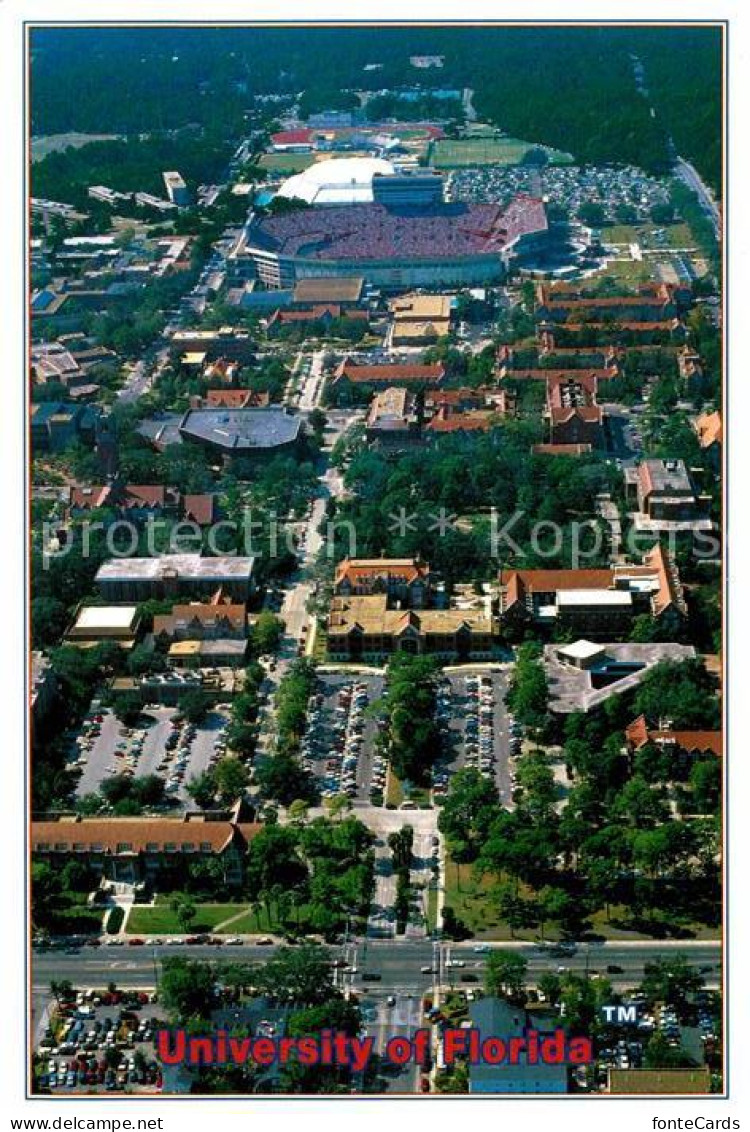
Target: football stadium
392	246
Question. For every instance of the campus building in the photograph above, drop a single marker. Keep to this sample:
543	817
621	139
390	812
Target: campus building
493	1017
600	603
664	497
140	579
144	849
682	742
365	628
405	580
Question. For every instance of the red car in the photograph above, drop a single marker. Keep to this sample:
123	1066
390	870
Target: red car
135	942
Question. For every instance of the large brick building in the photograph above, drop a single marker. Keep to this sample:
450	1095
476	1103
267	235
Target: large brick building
599	603
135	850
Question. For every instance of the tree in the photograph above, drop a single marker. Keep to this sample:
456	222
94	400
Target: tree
640	805
470	804
337	805
400	843
193	706
127	707
705	782
61	990
683	691
186	989
670	980
49	618
662	213
300	975
231	778
184	910
551	987
317	420
528	695
505	974
659	1054
298	811
557	905
592	214
267	632
202	789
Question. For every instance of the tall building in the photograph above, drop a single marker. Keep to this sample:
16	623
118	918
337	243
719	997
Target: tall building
408	189
177	190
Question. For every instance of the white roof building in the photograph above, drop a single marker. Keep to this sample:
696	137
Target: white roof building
346	180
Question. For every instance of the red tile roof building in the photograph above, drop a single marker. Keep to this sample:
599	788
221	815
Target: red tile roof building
418	374
199	621
136	850
406	580
139	501
638	734
652	587
561	449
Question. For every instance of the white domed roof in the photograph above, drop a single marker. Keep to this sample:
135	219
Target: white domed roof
346	180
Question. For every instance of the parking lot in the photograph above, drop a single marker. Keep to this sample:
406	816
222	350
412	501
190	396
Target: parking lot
339	745
101	1041
569	186
157	745
478	731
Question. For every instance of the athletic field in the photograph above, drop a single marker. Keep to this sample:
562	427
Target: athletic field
450	154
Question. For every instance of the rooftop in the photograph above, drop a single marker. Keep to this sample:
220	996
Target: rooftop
661	1082
428	374
336	181
594	597
420	307
665	476
242	429
93	618
137	835
328	290
582	650
175	565
370	615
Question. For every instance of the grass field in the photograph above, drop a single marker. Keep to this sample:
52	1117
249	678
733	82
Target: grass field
473	904
432	907
287	163
161	920
394	794
450	154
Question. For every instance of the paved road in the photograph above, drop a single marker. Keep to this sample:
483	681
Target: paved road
398	962
690	177
143	374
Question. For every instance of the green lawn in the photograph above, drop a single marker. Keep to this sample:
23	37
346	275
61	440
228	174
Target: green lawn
161	920
453	154
432	906
287	163
472	902
394	794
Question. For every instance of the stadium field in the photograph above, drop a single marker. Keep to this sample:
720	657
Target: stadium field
287	163
450	154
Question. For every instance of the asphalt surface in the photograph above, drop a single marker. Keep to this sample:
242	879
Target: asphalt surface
465	706
398	962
